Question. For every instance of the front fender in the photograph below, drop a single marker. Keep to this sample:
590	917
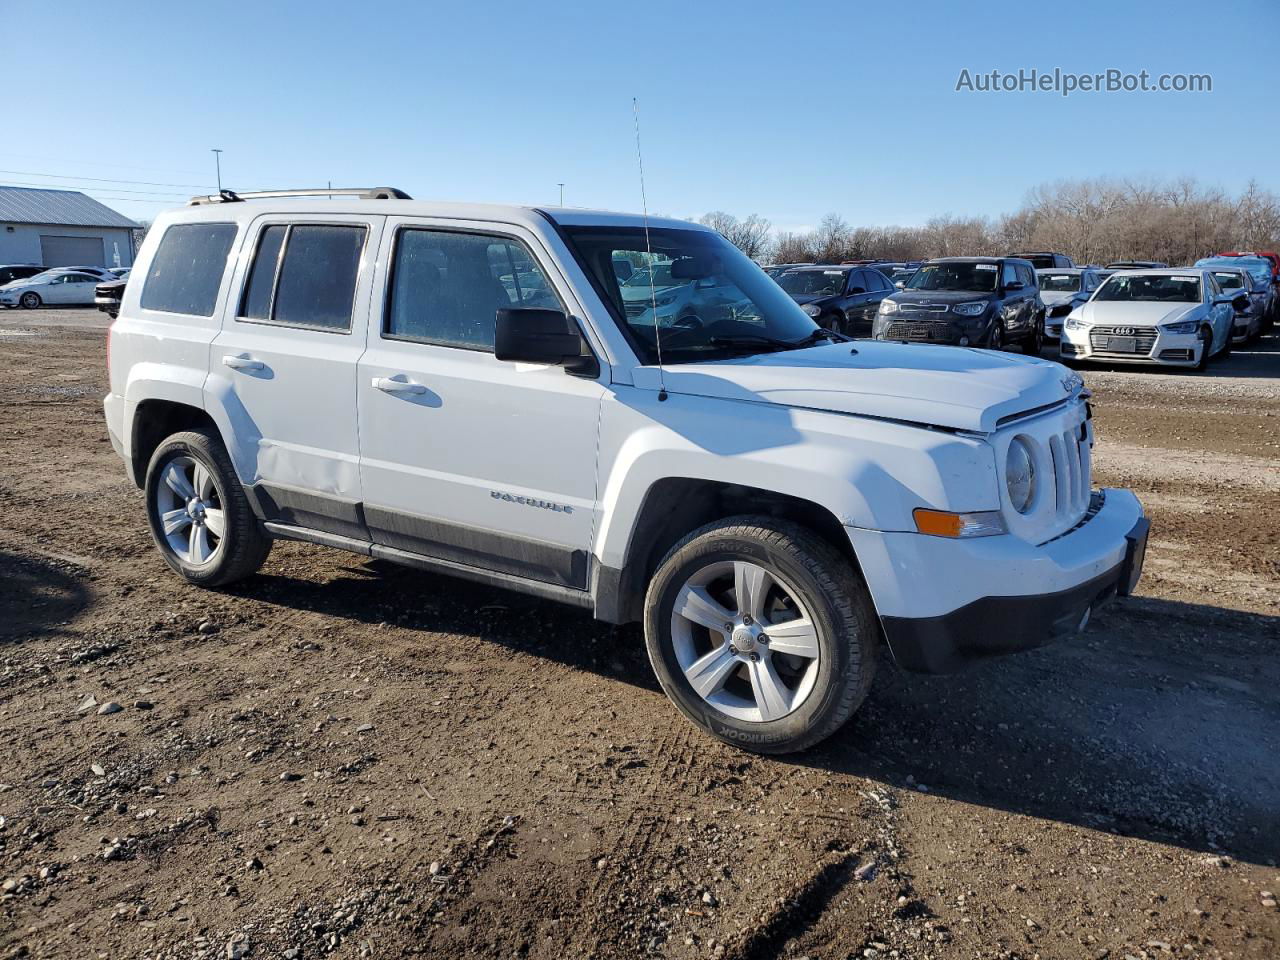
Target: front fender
867	473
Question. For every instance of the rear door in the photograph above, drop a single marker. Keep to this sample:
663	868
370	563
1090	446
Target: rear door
284	366
465	457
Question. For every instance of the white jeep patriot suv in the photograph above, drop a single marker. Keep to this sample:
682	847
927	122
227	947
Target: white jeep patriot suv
466	389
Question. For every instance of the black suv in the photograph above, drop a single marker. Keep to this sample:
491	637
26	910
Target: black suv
18	271
843	298
968	301
1045	260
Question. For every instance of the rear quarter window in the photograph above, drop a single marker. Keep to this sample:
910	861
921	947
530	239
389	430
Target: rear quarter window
187	268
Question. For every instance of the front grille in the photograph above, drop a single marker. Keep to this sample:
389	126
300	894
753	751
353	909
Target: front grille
1176	355
1111	340
922	309
1070	472
920	330
1059	443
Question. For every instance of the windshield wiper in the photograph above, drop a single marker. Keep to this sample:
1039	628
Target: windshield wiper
822	333
751	341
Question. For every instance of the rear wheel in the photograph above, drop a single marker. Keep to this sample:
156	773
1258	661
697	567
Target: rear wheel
199	515
761	633
30	300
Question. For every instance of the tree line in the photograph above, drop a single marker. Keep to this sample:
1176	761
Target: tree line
1092	221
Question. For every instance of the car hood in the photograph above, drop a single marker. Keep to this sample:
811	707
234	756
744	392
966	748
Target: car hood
940	296
951	387
14	285
644	293
1135	313
1055	297
803	298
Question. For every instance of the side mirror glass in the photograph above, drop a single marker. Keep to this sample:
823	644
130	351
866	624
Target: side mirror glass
1014	285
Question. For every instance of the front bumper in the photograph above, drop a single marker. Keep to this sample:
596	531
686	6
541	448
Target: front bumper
945	603
1173	349
943	328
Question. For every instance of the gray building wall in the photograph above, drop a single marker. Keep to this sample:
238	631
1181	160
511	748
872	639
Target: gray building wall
20	242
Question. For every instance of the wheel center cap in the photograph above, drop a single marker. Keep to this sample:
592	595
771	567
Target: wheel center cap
744	638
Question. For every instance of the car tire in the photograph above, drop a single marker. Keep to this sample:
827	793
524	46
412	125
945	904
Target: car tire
755	694
31	300
1034	344
836	323
194	466
995	339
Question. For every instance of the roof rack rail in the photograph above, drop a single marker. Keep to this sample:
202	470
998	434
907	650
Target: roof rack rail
364	193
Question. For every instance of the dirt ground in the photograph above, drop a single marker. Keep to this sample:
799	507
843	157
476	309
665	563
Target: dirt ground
336	758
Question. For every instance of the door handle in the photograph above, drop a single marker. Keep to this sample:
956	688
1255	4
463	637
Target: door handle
242	362
391	385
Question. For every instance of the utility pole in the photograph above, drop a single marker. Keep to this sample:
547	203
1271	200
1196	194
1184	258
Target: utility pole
561	194
217	159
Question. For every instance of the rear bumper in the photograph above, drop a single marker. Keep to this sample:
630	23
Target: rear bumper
946	603
113	411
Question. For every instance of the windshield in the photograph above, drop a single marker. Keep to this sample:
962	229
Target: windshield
822	283
1059	282
1229	279
715	303
979	277
1151	286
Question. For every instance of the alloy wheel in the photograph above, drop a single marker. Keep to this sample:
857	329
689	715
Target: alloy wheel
190	510
745	641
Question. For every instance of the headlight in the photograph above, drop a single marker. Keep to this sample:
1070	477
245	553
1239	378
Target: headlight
887	307
1075	323
974	309
1020	475
811	310
666	301
1183	326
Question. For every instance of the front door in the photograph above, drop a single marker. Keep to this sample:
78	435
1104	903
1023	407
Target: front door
284	365
465	457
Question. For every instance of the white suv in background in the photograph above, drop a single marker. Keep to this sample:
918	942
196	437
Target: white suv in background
465	389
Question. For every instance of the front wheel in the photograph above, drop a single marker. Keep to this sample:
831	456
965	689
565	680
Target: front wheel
761	633
198	512
30	300
1206	347
996	340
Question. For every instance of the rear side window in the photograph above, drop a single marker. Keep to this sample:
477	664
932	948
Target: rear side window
446	288
187	268
304	275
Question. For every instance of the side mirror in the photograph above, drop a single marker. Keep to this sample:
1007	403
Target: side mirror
1240	302
854	291
534	335
705	283
1015	285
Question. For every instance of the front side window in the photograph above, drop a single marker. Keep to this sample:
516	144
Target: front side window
447	287
304	275
1229	280
697	294
958	276
187	268
1151	287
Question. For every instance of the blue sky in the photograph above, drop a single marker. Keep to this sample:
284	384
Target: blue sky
786	110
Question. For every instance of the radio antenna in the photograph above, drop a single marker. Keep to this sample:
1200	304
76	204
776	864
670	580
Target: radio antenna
648	249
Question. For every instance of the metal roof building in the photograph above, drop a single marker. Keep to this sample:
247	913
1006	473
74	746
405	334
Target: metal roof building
62	228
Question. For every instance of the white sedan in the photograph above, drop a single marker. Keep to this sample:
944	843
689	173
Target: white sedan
1181	317
51	287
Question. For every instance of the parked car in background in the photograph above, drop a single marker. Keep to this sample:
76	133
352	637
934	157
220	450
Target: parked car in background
1044	260
1248	322
900	276
1177	316
1063	290
1269	255
682	297
967	301
1135	265
61	287
1260	269
841	298
776	270
104	273
107	296
18	271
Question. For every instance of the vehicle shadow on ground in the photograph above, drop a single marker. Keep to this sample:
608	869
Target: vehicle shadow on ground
1159	723
36	596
